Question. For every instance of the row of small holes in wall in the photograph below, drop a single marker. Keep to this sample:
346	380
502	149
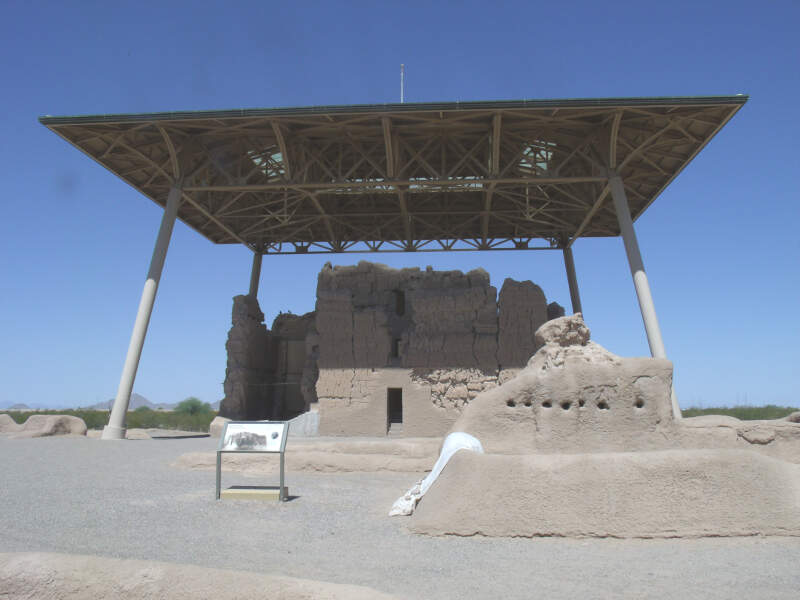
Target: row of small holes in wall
602	405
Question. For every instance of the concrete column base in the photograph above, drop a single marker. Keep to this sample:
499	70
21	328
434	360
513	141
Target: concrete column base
112	432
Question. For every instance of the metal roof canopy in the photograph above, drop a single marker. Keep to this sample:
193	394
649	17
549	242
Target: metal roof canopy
405	177
402	177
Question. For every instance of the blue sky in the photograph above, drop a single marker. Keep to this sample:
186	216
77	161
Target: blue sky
720	245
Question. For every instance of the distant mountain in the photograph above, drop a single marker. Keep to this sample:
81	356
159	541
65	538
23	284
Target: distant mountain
137	401
98	406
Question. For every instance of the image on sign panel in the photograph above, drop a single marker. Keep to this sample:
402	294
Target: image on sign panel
253	437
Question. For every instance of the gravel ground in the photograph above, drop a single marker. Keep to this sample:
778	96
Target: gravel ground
122	499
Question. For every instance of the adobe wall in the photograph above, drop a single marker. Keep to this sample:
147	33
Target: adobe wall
589	439
442	337
249	371
356	403
290	361
575	396
266	370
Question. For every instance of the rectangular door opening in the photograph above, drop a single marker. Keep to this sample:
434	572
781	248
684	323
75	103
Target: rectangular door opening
394	405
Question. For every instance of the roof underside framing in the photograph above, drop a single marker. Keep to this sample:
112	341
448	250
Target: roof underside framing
395	178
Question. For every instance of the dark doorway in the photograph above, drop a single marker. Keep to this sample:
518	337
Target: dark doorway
394	405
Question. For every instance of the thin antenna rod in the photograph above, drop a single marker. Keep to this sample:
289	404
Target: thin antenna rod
402	83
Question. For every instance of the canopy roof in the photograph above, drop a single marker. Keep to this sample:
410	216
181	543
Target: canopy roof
405	177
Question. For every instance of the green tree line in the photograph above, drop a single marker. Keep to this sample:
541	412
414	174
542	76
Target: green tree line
189	415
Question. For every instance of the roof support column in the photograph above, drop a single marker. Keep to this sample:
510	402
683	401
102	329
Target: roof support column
115	430
572	280
255	274
646	305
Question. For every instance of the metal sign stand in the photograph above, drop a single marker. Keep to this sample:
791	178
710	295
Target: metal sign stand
247	440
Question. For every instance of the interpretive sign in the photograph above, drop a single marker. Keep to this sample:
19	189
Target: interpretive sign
252	436
255	437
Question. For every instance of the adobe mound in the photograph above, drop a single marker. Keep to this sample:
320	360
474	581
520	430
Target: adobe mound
583	443
8	425
43	425
574	396
331	455
65	576
670	493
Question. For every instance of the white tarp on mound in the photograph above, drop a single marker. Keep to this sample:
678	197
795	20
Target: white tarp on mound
452	443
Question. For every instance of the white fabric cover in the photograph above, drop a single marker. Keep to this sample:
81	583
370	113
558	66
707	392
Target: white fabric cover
454	442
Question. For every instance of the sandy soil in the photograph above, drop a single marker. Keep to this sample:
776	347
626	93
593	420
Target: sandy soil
38	575
123	500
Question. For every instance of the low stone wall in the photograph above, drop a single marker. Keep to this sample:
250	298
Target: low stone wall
42	426
671	493
454	388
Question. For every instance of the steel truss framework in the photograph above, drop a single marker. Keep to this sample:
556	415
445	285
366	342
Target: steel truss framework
405	177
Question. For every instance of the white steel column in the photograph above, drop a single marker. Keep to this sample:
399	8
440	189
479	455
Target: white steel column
646	305
115	430
255	274
572	280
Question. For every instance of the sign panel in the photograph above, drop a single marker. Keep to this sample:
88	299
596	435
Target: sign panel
253	436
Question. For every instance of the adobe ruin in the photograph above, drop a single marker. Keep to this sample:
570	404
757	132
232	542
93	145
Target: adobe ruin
583	442
398	351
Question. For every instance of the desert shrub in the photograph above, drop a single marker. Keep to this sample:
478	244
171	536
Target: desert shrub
171	420
745	413
193	406
137	419
143	419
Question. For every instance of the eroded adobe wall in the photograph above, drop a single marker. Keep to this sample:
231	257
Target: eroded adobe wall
381	328
266	376
453	321
289	396
575	396
451	389
522	309
249	371
437	335
357	403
